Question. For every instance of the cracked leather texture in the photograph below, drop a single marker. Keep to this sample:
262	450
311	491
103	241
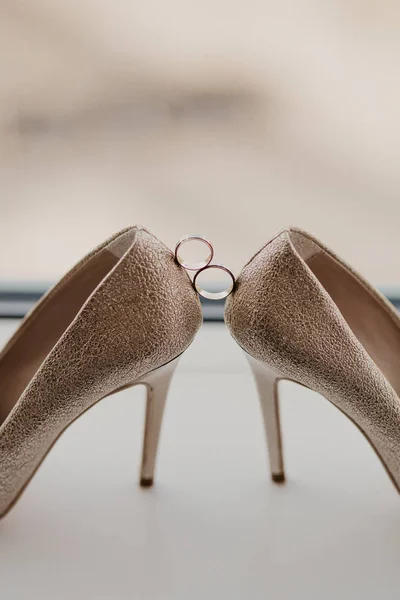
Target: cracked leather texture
143	314
282	316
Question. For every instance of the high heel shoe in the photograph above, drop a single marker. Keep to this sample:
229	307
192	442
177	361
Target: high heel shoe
121	317
300	313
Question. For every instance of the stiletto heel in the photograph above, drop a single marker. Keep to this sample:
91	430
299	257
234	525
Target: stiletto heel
267	386
306	316
121	316
157	383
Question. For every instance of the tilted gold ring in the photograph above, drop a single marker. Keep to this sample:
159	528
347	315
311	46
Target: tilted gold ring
195	266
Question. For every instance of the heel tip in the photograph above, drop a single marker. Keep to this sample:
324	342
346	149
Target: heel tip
278	477
146	482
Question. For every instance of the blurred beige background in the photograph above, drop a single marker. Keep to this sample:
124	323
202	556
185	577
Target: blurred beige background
231	119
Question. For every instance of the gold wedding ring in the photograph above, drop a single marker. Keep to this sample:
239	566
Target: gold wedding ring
196	266
214	295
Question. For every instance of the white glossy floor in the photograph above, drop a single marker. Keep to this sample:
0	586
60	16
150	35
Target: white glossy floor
213	526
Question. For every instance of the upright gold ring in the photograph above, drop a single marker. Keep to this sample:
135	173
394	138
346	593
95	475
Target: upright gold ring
214	295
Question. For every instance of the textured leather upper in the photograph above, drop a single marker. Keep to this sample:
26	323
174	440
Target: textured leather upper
142	314
282	315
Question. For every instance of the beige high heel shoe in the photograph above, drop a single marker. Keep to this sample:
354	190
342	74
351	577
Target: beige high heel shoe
300	313
121	317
